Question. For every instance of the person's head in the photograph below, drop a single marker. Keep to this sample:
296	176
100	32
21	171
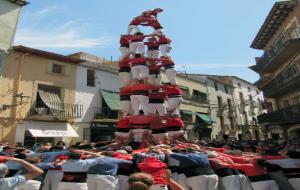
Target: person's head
3	170
74	155
8	149
137	55
61	144
137	178
138	186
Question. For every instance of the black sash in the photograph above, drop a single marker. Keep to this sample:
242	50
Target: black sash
76	177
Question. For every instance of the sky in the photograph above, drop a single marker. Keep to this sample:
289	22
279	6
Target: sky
209	37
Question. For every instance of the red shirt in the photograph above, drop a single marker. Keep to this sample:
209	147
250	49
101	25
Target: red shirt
140	88
125	91
167	62
173	121
141	20
123	123
250	169
164	40
157	95
124	41
124	62
152	44
135	38
138	61
3	159
154	167
155	68
152	12
172	90
157	123
122	156
140	121
155	24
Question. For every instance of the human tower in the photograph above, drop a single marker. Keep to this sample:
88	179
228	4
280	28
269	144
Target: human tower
150	109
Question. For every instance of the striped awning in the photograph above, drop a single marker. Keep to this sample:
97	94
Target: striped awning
112	99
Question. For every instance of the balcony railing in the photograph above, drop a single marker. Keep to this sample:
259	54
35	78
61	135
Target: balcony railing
271	57
105	113
287	115
59	110
284	82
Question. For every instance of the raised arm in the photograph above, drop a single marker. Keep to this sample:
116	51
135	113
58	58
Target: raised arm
32	170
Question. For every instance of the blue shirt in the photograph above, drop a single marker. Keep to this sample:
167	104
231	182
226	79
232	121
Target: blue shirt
191	159
10	183
107	166
80	165
51	156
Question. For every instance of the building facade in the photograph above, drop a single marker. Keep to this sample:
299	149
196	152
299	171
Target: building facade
279	69
9	17
234	106
97	89
194	109
37	97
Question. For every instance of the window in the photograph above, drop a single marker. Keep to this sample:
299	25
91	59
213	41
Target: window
250	99
229	104
47	95
57	69
249	89
199	96
216	86
220	101
90	78
226	89
242	98
239	85
185	91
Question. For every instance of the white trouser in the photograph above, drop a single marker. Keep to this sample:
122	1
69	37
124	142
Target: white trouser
236	182
203	182
158	31
72	186
159	137
295	182
123	182
172	134
265	185
126	107
138	134
160	108
101	182
139	102
131	28
140	71
52	178
171	75
122	135
137	48
124	51
29	185
154	79
153	54
181	179
125	78
158	187
165	49
174	104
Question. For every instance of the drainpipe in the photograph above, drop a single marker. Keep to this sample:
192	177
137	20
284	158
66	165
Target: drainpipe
14	110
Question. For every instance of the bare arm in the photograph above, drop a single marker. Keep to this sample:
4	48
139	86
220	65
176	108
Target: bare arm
173	184
33	171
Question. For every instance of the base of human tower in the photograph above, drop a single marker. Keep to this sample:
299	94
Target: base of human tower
150	109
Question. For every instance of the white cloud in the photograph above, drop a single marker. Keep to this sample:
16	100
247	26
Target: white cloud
71	34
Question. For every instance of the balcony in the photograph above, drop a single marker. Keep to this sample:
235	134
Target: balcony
57	110
284	47
195	100
105	114
282	84
284	116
